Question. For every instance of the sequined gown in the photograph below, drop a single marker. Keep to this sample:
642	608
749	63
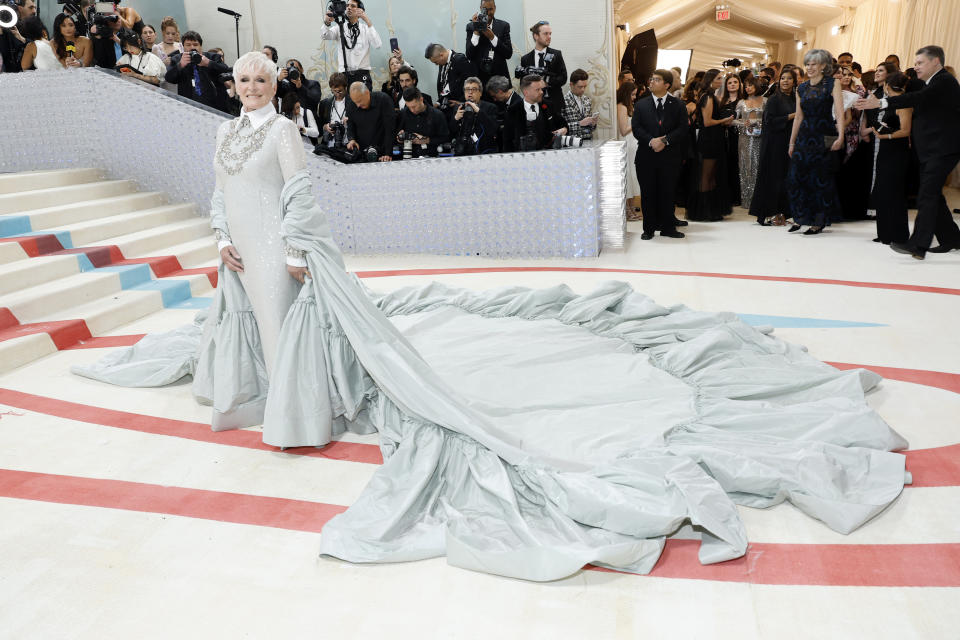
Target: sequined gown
252	166
749	119
811	184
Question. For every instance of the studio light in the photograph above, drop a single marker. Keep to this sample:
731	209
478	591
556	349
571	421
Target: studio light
8	17
799	45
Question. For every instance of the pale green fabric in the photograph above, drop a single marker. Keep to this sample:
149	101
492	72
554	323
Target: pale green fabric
529	432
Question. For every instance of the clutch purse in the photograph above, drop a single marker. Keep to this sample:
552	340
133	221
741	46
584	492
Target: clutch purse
828	141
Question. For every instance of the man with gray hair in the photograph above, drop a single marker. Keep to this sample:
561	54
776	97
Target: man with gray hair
501	90
936	135
370	121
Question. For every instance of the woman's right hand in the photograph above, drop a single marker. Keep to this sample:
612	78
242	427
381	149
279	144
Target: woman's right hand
231	258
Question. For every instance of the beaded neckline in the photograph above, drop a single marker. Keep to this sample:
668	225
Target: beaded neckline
236	150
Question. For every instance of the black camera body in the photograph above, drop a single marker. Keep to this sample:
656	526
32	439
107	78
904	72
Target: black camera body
733	62
371	154
101	25
520	72
482	22
338	9
196	57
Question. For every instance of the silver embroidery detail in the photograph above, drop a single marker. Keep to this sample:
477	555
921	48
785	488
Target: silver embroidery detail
235	149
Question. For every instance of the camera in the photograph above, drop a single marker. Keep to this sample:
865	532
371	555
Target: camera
338	137
286	85
196	57
566	142
411	149
338	10
482	21
464	145
101	25
732	62
371	154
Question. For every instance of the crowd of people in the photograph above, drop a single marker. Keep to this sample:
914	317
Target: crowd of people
476	108
798	146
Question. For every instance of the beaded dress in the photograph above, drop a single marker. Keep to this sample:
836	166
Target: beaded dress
524	432
749	125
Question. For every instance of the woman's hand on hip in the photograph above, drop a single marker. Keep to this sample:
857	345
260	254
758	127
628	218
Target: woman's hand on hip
300	274
231	258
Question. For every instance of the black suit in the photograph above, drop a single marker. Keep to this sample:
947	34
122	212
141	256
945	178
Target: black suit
459	68
184	78
479	55
657	172
555	75
373	126
936	136
516	126
502	108
486	128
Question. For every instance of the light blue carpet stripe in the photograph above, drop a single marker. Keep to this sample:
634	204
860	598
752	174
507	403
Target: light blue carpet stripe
171	291
787	322
131	275
193	303
13	225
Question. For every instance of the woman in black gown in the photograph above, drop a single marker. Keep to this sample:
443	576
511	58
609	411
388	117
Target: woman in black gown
770	204
889	190
709	198
729	99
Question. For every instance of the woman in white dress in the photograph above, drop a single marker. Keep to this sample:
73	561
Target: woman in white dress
73	50
38	53
137	62
626	98
524	432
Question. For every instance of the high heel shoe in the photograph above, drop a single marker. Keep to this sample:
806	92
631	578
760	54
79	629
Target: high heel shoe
795	227
812	231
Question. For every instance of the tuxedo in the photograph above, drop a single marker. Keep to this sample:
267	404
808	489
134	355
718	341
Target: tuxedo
936	137
516	125
489	60
555	76
457	69
658	172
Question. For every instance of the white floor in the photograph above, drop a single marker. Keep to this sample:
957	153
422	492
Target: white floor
69	571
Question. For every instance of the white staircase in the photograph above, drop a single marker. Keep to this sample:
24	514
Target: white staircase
81	255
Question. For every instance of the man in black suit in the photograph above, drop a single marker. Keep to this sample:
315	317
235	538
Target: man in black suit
550	61
370	121
660	126
531	124
454	69
196	81
936	136
407	77
501	90
474	130
425	123
489	49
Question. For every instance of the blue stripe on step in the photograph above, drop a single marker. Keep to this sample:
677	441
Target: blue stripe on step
85	264
787	322
14	225
171	291
131	275
193	303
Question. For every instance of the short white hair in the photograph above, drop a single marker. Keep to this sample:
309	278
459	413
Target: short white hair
819	56
255	62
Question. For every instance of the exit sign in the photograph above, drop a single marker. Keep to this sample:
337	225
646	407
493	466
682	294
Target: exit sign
723	14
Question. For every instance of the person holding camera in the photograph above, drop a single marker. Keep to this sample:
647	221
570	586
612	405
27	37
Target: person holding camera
421	124
454	69
332	112
547	63
532	124
370	123
194	72
355	34
138	63
307	125
488	42
290	79
474	127
578	108
12	41
407	77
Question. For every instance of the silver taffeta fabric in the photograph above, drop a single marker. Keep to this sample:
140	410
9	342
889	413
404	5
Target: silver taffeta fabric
527	433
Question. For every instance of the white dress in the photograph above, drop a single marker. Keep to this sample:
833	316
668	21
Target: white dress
46	59
633	185
524	432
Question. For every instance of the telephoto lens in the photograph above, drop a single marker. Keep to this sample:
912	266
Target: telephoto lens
196	57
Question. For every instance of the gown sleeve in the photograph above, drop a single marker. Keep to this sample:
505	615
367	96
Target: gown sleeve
218	216
292	160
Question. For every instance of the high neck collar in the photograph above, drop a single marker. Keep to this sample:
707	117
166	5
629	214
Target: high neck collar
259	116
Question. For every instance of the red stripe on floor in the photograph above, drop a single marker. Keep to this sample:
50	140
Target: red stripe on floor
37	245
938	467
696	274
210	272
938	379
835	565
348	451
881	565
296	515
7	319
63	332
106	341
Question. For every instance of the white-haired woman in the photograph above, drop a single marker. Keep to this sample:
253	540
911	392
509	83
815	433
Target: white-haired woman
817	131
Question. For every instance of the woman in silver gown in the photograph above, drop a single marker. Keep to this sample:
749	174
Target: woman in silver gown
749	119
524	432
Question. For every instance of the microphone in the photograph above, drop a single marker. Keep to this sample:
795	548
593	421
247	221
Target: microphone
71	49
229	12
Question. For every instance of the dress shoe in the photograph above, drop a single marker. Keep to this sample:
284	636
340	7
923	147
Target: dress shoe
944	248
677	222
795	227
812	231
916	252
672	234
646	236
763	222
877	240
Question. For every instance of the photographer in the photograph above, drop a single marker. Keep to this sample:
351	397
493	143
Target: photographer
103	30
488	42
454	69
546	63
407	77
578	109
354	37
137	63
291	79
332	112
532	124
501	90
12	41
424	123
194	73
370	122
474	127
306	124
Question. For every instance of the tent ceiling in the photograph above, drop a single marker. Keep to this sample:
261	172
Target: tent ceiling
691	24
